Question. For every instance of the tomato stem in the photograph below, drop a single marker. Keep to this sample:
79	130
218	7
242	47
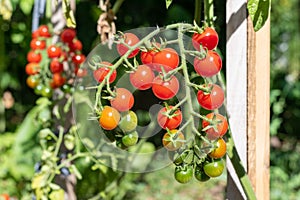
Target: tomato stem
198	9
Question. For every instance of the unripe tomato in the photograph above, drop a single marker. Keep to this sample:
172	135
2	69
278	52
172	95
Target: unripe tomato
130	39
220	149
128	121
200	174
123	101
208	39
173	140
183	174
130	139
212	100
218	128
208	66
214	168
109	118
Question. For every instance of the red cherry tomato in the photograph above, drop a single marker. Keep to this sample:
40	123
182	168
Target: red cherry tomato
76	45
209	66
208	39
32	68
57	80
33	56
4	197
54	51
167	58
123	101
130	39
56	66
212	100
172	121
78	59
43	31
100	73
165	89
68	35
142	78
147	58
218	128
37	44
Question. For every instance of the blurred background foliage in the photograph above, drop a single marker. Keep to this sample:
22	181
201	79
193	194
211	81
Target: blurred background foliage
18	99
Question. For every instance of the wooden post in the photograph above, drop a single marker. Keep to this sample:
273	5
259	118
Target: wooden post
248	82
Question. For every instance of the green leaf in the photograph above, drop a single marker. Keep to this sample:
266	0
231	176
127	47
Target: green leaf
69	14
26	6
259	12
168	3
39	181
6	9
57	194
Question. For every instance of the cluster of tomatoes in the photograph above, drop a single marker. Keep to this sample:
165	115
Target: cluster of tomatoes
51	66
157	68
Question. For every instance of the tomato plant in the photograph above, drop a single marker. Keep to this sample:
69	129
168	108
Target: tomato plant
165	89
32	81
168	118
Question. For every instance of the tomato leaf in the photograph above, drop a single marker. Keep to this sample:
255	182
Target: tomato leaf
26	6
168	3
259	12
69	14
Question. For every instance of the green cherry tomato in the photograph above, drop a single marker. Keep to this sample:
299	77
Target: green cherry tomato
38	89
200	174
215	168
128	121
47	91
183	174
130	139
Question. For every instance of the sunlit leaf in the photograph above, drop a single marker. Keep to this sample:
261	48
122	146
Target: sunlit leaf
26	6
168	3
259	12
57	194
6	9
69	14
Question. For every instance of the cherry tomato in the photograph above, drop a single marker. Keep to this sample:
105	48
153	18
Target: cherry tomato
80	72
147	58
37	44
169	120
130	39
218	127
167	58
123	101
200	174
214	168
130	139
57	80
220	149
173	140
56	66
4	197
32	68
35	34
68	35
33	56
183	174
109	118
208	39
212	100
209	66
165	89
78	59
128	121
46	91
43	31
142	78
76	45
32	81
100	73
54	51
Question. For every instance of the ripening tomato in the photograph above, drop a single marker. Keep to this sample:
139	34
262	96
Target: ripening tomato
32	81
165	89
34	56
130	139
37	44
214	168
220	149
217	129
109	118
142	78
213	99
128	121
67	35
123	101
32	68
183	174
4	197
78	59
56	66
173	140
130	39
54	51
57	80
167	119
43	31
210	65
100	73
167	58
208	39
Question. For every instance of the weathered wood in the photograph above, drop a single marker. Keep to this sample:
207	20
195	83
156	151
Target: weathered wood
236	79
258	109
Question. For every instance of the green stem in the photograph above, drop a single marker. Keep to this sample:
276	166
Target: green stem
197	14
117	6
209	12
